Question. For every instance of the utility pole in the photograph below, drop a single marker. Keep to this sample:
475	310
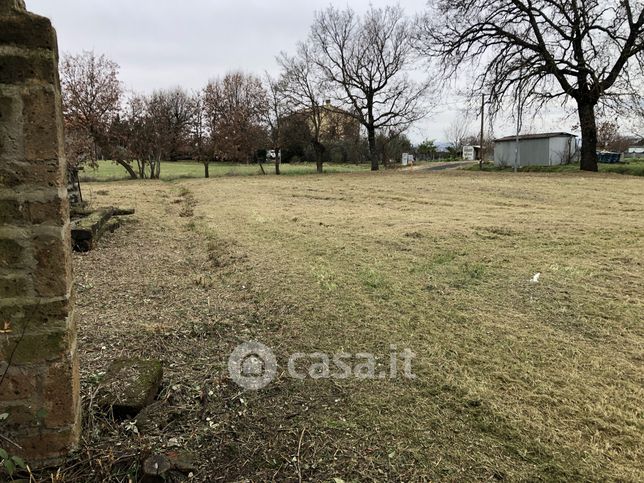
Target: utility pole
482	127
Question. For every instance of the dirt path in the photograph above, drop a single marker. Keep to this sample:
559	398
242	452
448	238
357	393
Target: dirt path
150	291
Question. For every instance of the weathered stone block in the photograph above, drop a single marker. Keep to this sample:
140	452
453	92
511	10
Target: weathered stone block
168	466
50	315
12	286
19	383
51	212
10	127
47	446
20	415
10	211
11	7
129	385
13	212
10	317
153	417
61	393
52	276
20	69
35	347
11	253
87	231
49	173
29	31
156	469
42	137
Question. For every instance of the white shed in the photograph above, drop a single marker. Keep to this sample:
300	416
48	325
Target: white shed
545	149
471	153
636	149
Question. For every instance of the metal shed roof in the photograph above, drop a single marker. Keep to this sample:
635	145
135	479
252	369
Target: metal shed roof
544	135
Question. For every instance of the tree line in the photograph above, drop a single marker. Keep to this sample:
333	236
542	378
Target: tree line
347	92
349	77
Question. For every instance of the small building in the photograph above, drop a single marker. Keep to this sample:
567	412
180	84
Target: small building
471	153
635	149
407	159
544	149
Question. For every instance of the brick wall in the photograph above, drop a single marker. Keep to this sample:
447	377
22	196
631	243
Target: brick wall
39	388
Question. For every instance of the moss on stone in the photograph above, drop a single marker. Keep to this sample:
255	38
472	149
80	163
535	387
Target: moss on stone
129	385
35	347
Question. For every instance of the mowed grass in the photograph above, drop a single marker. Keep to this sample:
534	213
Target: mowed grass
111	171
515	380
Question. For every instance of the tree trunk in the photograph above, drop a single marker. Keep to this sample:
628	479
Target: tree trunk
278	161
141	167
319	159
318	148
94	151
128	168
206	167
385	156
588	136
373	156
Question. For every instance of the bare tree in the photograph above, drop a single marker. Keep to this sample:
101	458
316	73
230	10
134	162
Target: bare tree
137	137
91	93
637	125
79	147
151	131
163	123
607	134
392	144
199	134
366	60
277	110
175	109
610	138
457	132
587	51
235	113
304	89
158	132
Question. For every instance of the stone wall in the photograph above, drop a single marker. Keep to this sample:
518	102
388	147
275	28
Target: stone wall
39	387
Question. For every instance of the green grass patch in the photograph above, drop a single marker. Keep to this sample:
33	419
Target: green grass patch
171	170
633	167
372	279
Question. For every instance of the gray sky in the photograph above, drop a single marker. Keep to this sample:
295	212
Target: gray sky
163	43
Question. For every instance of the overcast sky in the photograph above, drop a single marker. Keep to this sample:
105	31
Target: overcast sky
163	43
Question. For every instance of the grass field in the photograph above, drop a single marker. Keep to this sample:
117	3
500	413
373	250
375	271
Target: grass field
633	167
110	171
515	380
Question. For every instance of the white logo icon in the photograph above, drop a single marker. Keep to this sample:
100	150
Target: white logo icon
252	365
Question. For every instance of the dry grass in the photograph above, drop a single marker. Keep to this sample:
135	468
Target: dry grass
515	380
